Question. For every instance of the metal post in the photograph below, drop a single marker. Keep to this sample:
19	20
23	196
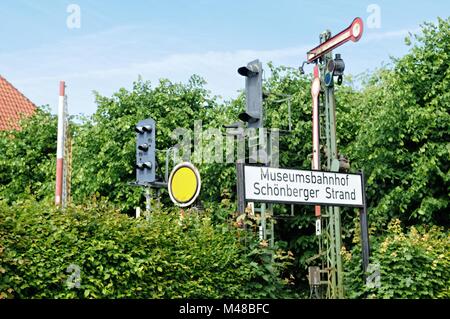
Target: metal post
338	240
148	203
269	159
64	179
147	199
330	229
67	167
332	245
334	217
331	110
323	54
60	145
240	187
315	92
333	163
363	222
263	221
334	212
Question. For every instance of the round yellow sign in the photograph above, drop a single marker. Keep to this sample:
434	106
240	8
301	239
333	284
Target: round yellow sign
184	184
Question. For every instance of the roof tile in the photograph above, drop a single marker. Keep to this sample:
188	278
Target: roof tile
13	105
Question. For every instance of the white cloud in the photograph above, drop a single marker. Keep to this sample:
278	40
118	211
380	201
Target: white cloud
111	59
217	67
376	36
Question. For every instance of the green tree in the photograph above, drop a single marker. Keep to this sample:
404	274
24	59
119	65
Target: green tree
402	142
28	158
109	134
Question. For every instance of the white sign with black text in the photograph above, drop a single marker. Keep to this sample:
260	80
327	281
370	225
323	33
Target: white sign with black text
268	184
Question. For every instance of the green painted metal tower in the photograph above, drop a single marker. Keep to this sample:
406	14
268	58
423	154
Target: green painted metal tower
330	273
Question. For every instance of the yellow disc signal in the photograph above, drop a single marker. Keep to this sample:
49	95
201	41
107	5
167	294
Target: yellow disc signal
184	184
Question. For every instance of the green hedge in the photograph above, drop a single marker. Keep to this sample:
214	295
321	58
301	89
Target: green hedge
412	264
123	257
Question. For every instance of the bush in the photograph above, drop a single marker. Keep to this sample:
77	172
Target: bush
122	257
414	264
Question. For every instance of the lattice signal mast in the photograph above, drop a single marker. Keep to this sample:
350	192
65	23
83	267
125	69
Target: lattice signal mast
322	89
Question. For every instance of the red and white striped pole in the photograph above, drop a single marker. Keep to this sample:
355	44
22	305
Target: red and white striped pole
315	91
60	145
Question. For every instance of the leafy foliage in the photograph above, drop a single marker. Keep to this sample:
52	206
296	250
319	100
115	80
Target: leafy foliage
394	127
412	265
28	158
402	142
107	173
120	257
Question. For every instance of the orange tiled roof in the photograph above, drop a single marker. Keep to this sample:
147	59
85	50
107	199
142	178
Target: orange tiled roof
13	105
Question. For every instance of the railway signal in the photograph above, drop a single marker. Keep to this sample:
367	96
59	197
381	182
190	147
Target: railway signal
253	94
329	67
145	152
353	32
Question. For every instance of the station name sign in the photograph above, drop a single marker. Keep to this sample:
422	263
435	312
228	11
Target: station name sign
277	185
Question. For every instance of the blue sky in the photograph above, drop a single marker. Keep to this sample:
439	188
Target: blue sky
119	40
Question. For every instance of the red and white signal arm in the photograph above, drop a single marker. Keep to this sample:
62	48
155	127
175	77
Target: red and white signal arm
353	32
